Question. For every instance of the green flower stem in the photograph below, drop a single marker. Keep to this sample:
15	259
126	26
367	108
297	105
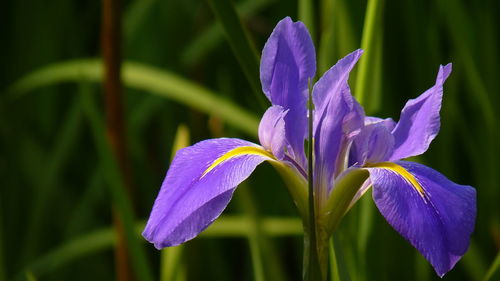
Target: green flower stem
172	267
312	264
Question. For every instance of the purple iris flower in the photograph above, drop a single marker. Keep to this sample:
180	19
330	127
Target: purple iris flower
435	215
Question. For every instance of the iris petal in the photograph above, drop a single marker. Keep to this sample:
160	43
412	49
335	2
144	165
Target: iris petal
288	62
373	144
419	123
198	186
336	116
334	81
272	131
437	218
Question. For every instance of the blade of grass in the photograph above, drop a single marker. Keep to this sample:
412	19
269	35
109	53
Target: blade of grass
146	78
371	30
240	43
202	44
234	226
495	265
345	38
327	51
228	226
337	35
116	188
338	269
306	15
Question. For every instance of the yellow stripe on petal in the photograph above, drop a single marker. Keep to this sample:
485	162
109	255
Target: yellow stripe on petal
239	151
402	172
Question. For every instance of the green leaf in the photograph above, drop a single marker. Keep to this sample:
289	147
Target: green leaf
240	43
143	77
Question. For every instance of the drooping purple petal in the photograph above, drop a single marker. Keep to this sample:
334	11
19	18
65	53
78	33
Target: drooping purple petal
438	220
198	186
272	131
337	116
387	122
419	122
288	62
373	144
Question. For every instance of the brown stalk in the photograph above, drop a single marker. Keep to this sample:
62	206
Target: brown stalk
115	127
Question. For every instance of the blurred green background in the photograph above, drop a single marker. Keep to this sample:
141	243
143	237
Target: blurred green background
188	65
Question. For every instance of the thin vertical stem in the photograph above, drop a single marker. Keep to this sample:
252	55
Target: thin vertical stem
110	40
312	271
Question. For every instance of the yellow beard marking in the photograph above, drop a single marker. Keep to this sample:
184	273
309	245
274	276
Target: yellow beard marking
403	173
239	151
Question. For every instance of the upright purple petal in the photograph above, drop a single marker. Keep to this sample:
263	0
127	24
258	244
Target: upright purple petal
337	117
434	214
419	122
289	45
198	186
288	62
272	131
333	81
